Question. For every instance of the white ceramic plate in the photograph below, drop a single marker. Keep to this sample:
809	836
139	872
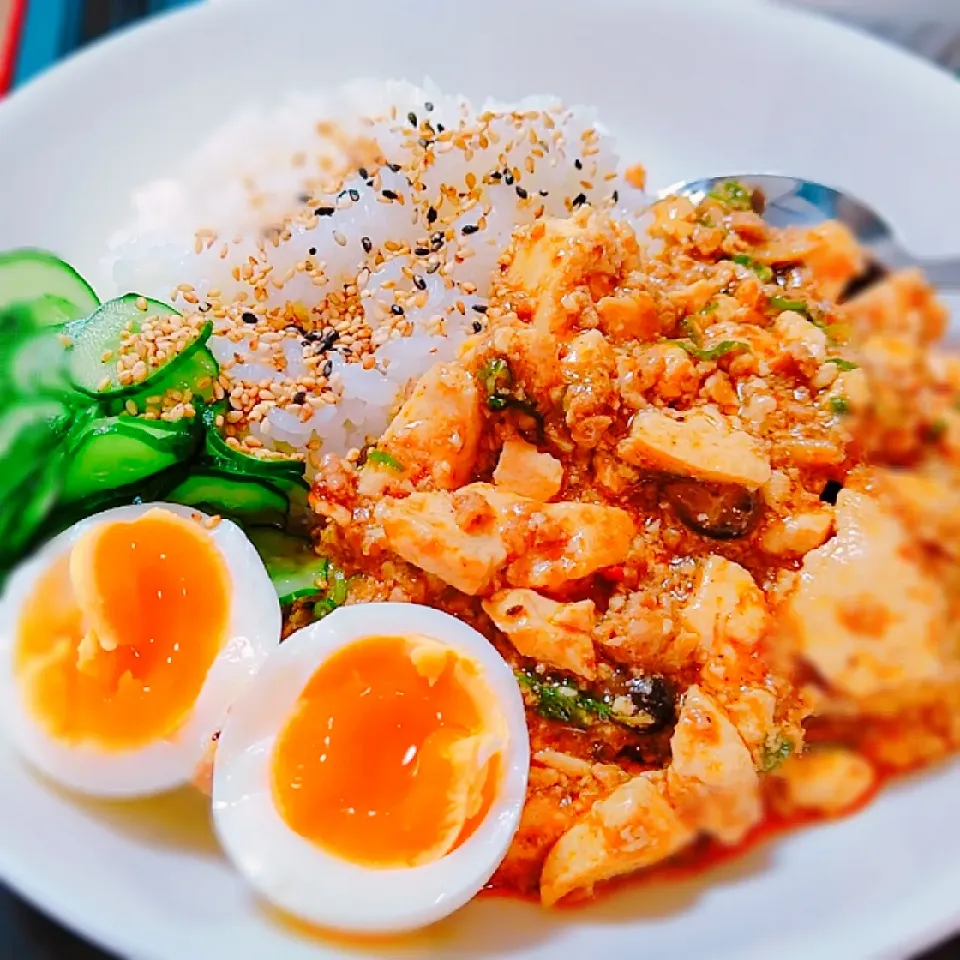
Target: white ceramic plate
692	87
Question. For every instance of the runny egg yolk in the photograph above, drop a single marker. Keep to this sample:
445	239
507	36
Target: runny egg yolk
115	640
390	756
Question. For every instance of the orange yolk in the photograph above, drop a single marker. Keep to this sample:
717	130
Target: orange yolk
115	641
387	759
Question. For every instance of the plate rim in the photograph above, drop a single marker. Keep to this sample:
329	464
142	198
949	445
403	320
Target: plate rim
938	916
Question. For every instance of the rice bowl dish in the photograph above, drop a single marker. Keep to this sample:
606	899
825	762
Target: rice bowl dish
686	499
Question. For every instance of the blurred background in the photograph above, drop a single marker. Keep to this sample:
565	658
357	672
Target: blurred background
34	34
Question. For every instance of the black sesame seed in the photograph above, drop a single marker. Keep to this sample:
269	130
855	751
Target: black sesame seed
431	215
436	241
389	194
508	178
469	228
579	200
412	117
421	251
366	243
354	194
428	106
303	198
299	396
480	307
496	175
362	172
324	211
521	193
544	193
477	326
616	195
312	251
578	163
397	310
329	338
440	128
248	317
420	283
327	368
395	167
204	307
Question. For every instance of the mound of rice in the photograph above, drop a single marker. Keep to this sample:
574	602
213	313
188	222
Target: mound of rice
342	244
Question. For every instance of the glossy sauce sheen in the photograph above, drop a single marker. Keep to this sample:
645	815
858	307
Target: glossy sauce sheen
158	589
360	769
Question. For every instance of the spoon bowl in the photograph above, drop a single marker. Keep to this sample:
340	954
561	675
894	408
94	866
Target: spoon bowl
792	201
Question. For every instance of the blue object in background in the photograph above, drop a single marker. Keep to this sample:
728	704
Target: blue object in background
52	29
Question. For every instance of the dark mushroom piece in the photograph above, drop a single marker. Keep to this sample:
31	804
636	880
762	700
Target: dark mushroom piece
716	510
652	695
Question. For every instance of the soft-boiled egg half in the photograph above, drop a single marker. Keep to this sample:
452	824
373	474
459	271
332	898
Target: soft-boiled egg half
123	643
372	778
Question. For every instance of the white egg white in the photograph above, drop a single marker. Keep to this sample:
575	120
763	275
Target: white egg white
297	875
253	630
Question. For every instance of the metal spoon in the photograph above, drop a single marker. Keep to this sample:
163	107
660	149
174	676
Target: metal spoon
790	200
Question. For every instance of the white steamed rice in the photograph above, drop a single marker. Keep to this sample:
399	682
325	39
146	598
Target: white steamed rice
257	169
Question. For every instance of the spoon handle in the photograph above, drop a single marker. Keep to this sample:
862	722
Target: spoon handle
942	272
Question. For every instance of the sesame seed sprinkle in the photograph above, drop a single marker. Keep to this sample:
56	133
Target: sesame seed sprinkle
342	315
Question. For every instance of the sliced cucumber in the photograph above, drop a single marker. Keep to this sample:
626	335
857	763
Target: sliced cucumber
194	370
152	488
30	505
221	456
101	334
293	565
44	313
29	433
108	453
250	502
30	275
34	365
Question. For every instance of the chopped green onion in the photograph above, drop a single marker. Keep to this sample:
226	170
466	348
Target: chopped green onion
561	700
387	459
690	329
760	269
720	349
840	405
337	588
775	751
495	375
709	308
557	698
733	194
782	303
338	593
843	364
